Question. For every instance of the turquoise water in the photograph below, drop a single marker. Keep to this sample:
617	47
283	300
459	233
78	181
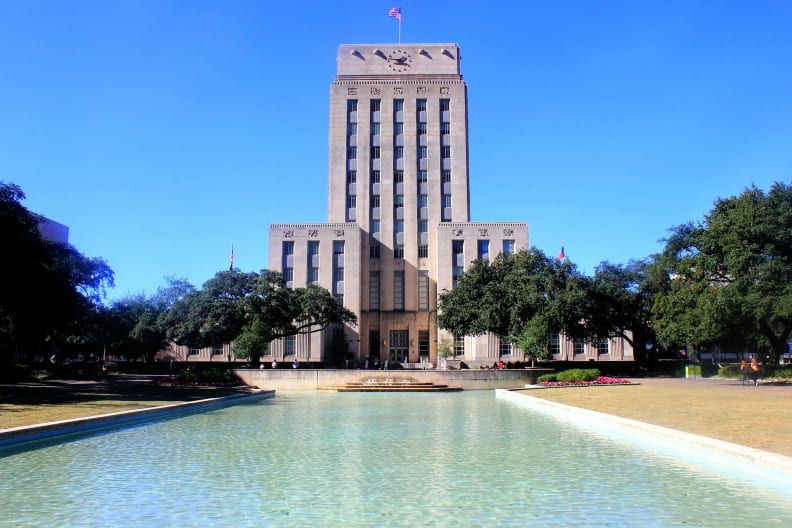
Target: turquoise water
384	459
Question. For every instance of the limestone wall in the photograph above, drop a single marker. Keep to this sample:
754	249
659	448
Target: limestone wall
310	379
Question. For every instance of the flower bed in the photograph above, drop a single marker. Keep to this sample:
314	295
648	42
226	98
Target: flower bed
601	380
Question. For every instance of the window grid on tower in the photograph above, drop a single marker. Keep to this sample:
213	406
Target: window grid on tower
445	158
351	149
374	174
338	270
398	178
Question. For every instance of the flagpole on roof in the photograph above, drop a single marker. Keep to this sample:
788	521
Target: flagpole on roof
395	12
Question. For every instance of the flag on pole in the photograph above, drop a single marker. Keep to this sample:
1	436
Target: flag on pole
231	267
561	256
395	12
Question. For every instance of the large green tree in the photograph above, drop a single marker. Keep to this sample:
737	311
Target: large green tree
522	298
621	302
251	309
731	274
134	325
47	287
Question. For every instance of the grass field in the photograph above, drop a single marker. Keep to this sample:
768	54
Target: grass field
36	403
753	417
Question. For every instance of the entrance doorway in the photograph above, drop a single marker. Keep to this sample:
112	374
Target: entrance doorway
399	345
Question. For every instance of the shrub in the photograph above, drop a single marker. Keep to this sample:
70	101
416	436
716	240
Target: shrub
210	376
730	372
546	378
576	375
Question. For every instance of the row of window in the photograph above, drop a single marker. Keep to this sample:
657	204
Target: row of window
398	290
398	155
602	346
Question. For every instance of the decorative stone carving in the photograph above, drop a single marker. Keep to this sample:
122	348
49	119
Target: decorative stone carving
376	91
313	233
288	233
339	232
351	91
458	232
421	90
483	232
508	232
445	90
398	90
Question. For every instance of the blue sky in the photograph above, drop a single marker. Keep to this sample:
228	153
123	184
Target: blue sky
162	131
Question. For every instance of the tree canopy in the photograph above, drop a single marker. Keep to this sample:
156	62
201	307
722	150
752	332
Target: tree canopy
48	287
522	298
251	309
731	275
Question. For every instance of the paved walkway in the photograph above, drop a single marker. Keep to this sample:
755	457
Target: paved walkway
776	387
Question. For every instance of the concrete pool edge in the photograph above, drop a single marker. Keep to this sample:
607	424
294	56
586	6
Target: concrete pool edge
18	435
762	465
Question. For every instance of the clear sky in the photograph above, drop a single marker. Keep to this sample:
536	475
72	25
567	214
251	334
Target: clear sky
161	131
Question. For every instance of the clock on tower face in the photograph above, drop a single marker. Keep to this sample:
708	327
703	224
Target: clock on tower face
399	61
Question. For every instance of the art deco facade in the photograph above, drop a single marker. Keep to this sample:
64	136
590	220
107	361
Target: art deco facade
399	229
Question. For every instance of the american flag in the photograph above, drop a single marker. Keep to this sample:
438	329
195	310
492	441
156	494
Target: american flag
395	13
231	267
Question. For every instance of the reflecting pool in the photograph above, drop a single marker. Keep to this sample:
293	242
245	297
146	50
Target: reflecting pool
382	459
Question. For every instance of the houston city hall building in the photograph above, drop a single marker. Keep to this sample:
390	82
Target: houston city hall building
398	228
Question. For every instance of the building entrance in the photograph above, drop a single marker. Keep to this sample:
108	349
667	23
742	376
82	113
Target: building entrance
399	345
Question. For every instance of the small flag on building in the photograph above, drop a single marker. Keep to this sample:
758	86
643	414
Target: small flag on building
231	267
562	255
395	12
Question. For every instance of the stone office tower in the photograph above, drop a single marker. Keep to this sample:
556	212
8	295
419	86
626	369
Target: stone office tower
398	229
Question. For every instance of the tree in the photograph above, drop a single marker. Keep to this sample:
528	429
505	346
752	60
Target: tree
253	307
731	273
522	298
48	287
622	298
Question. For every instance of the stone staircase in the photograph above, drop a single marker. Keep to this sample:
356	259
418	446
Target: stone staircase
391	384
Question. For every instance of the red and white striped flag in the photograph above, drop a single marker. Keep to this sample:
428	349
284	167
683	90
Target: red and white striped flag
231	267
395	12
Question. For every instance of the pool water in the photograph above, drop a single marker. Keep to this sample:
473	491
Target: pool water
383	459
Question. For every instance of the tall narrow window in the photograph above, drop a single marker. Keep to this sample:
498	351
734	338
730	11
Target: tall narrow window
423	344
374	343
287	263
398	290
505	348
338	270
483	249
423	290
458	260
459	345
555	344
508	247
313	262
374	290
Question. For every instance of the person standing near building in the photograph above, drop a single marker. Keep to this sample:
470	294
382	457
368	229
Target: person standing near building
745	370
755	371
